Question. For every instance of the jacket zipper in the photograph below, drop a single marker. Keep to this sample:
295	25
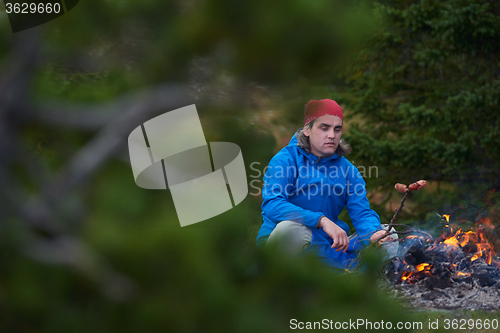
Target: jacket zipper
323	197
322	203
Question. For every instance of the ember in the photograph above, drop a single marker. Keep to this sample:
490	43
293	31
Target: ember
449	258
459	269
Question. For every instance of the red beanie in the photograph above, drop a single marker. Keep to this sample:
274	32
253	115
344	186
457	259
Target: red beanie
317	108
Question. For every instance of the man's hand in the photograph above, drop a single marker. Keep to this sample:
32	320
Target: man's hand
377	235
340	240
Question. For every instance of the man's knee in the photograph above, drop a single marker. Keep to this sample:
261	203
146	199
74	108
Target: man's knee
291	236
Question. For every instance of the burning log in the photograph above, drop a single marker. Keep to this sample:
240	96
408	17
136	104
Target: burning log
457	256
403	189
459	269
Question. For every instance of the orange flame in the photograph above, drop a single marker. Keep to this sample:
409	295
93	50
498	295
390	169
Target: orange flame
452	241
424	267
475	239
472	242
412	277
486	221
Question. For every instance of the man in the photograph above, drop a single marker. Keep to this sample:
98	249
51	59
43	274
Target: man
306	187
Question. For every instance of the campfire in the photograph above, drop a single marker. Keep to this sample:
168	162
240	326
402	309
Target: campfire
457	269
456	256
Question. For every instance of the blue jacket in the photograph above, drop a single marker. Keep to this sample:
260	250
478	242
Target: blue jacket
300	188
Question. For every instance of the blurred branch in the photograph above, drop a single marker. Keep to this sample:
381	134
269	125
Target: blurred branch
74	253
150	102
47	241
125	114
15	74
17	70
47	238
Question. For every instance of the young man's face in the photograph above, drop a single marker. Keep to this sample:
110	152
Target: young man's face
324	136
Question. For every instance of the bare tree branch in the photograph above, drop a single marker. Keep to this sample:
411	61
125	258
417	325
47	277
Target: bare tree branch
398	210
114	134
46	235
94	116
16	72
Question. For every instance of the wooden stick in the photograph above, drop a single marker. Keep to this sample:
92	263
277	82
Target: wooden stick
391	224
398	210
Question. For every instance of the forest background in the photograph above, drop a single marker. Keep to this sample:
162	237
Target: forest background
82	248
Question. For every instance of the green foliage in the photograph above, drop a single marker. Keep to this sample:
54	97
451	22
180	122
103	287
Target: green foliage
205	277
427	93
55	81
157	40
423	101
283	40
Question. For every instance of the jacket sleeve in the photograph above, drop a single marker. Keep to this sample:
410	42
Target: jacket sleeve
364	219
279	182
